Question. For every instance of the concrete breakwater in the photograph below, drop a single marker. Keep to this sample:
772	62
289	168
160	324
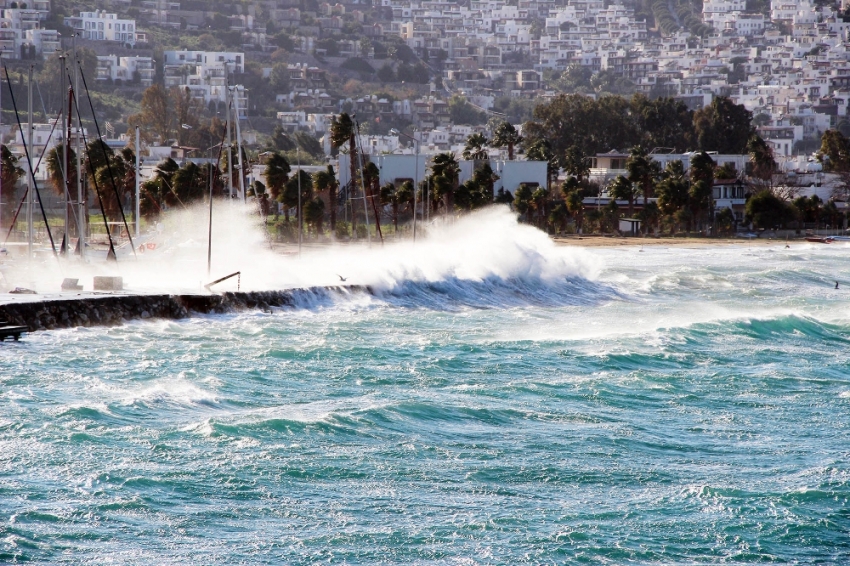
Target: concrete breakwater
112	310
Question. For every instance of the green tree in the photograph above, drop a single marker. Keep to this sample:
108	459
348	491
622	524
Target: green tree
386	74
55	166
765	210
761	156
622	188
156	120
445	171
642	171
541	150
343	131
835	151
314	215
277	174
506	135
462	112
723	126
10	174
326	181
522	200
476	147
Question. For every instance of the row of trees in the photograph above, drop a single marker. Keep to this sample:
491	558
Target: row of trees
612	122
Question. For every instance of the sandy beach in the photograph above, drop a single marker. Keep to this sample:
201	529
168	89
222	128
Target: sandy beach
614	241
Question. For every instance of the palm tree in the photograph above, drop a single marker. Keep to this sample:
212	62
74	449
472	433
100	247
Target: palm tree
445	171
623	189
404	194
344	131
314	215
476	147
55	165
277	175
326	181
390	195
506	135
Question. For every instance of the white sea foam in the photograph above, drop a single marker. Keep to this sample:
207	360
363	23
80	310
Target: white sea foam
485	247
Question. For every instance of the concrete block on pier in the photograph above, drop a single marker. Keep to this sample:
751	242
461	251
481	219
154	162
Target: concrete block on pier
69	284
104	283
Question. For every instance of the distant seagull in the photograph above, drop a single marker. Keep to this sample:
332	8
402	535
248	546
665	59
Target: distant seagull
343	279
836	284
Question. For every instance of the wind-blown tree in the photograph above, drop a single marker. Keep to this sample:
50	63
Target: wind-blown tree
761	155
575	206
405	195
326	181
576	163
289	195
314	215
506	135
673	192
476	147
642	170
522	200
541	150
277	174
485	178
55	165
445	171
539	202
10	173
390	196
189	183
622	188
835	151
344	131
702	167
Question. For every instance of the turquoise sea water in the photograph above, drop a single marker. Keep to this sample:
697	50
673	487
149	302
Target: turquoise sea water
664	406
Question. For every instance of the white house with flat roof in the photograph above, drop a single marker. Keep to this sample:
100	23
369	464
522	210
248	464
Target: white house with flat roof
102	26
205	74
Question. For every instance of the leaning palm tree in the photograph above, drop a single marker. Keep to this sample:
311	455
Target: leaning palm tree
344	131
277	174
506	135
476	147
445	171
326	181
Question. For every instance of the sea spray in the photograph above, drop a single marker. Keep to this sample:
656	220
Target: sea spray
488	245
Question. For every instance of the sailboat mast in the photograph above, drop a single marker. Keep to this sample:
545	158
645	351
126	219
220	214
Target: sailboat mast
239	143
30	177
229	145
81	203
63	139
138	182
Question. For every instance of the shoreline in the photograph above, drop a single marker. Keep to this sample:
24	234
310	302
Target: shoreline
617	241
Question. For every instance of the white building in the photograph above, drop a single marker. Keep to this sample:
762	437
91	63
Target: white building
126	69
101	26
206	73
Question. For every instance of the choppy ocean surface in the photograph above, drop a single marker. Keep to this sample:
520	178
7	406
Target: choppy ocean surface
662	406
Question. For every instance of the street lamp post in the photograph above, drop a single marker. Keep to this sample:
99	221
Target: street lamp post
415	174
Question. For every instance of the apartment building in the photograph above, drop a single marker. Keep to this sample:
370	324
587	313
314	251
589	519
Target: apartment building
102	26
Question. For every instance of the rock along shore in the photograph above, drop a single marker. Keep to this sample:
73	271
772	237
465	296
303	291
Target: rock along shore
113	310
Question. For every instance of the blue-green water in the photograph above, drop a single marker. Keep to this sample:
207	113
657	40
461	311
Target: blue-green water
665	406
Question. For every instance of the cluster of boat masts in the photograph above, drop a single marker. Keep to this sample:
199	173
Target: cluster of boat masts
32	204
